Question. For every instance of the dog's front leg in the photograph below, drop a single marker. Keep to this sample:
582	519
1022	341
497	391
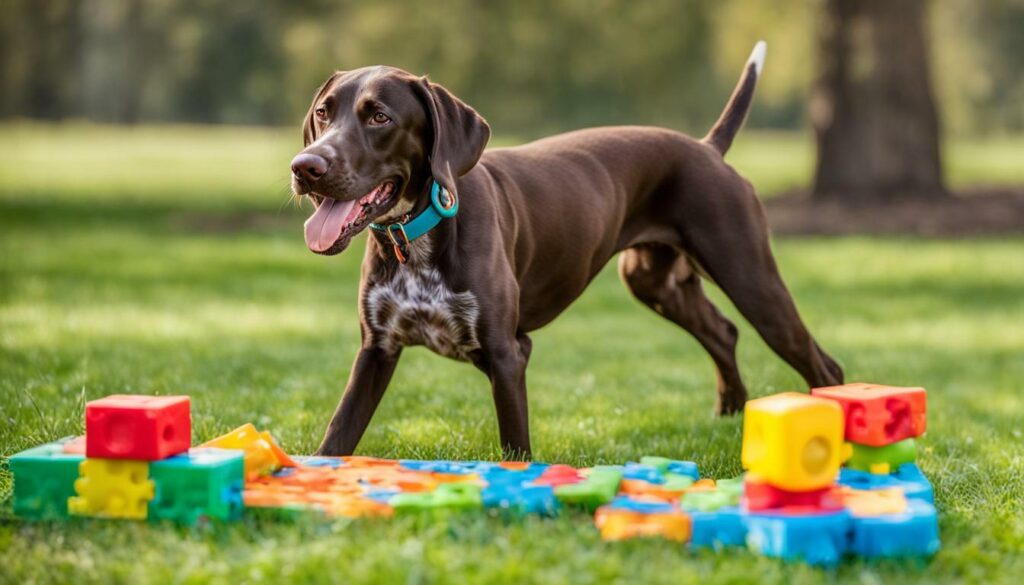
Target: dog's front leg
505	365
370	375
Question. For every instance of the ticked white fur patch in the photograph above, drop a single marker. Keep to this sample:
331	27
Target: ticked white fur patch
416	307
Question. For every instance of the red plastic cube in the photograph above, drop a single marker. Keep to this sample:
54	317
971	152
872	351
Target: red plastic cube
759	495
879	415
149	428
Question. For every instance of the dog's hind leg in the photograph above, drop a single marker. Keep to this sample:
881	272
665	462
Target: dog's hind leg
662	278
739	260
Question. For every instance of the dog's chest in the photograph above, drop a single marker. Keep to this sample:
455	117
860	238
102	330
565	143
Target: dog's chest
416	307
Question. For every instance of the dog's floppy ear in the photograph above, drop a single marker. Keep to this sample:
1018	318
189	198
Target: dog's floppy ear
460	134
309	134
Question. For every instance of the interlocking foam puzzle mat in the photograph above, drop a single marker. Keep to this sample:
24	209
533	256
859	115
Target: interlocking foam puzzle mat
796	501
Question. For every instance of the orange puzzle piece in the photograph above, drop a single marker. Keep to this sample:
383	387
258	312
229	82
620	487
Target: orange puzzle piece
878	415
618	524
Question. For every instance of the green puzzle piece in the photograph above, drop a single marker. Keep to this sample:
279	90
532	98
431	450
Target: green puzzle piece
203	483
448	497
44	479
599	488
727	493
883	460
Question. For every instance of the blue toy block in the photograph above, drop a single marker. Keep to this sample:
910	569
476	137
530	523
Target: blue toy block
688	468
915	533
648	473
437	466
641	506
521	498
908	477
718	529
817	539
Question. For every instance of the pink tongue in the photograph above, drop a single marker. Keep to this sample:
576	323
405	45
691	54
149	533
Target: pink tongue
324	227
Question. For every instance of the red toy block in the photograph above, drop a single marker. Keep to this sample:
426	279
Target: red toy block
557	475
146	428
879	415
759	496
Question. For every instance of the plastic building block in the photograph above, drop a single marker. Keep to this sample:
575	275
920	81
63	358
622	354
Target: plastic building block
883	460
878	415
75	446
447	497
760	495
44	479
817	539
647	473
521	499
557	475
262	455
640	506
914	533
908	478
620	524
204	483
866	503
112	488
717	529
794	441
599	487
146	428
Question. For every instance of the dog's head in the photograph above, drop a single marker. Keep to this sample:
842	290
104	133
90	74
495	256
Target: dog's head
374	137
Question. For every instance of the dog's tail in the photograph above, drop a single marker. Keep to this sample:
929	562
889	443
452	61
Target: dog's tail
729	123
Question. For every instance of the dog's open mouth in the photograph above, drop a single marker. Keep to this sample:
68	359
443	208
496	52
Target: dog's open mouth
334	222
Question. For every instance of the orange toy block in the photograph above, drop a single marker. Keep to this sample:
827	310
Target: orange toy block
878	415
618	524
871	503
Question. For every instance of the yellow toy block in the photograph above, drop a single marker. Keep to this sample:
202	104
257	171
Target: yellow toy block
794	441
112	488
262	455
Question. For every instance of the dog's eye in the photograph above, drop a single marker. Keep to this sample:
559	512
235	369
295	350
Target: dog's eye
321	113
379	119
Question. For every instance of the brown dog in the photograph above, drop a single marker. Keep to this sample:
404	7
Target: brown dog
535	224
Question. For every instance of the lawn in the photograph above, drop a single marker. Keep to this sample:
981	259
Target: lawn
171	261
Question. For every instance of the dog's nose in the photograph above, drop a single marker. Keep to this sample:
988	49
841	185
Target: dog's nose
309	167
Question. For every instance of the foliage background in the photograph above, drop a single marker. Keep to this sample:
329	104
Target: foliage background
531	67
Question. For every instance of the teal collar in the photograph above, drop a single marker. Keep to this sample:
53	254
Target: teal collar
442	206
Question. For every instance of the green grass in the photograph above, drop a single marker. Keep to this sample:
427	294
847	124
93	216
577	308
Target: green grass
168	262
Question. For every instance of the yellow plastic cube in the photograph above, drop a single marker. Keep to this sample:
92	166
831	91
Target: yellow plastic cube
112	488
794	441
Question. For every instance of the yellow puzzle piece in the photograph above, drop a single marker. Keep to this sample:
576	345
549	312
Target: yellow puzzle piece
794	441
112	488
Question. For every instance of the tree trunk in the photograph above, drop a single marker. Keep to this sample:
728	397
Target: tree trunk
873	110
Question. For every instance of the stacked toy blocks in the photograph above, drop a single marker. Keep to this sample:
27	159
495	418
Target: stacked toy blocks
881	423
135	462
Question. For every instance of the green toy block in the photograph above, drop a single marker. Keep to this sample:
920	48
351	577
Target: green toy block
882	460
726	494
203	483
599	488
675	481
661	463
44	479
448	497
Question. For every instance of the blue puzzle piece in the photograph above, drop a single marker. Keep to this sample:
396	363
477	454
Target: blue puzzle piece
382	496
914	533
818	539
641	506
908	477
688	468
721	528
438	466
647	473
522	499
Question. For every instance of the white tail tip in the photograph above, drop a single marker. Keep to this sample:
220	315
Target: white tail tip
757	56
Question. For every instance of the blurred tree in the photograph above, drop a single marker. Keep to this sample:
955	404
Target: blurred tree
873	109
